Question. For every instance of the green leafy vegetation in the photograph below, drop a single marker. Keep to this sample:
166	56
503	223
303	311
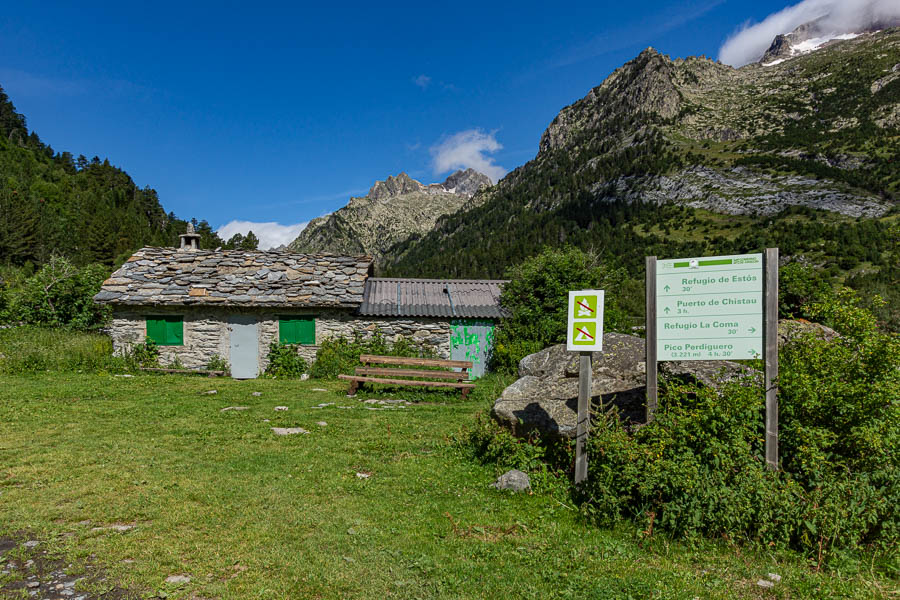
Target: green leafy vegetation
284	362
88	211
536	301
699	470
59	294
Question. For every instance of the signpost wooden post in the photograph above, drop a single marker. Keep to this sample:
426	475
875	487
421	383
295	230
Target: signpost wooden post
770	355
585	335
715	308
650	339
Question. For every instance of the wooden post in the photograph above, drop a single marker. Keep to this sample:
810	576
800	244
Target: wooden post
650	338
584	416
770	354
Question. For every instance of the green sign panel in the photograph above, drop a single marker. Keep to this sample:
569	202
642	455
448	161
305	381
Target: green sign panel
709	308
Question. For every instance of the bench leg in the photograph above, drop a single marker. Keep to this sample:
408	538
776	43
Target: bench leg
353	387
465	393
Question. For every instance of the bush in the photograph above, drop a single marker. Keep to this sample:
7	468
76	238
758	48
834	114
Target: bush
699	467
284	361
217	363
536	300
61	294
799	286
340	355
144	355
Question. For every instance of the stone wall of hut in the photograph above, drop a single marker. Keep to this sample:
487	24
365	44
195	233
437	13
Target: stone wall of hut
206	335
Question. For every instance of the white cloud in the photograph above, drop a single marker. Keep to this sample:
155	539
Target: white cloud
751	41
467	149
271	235
422	81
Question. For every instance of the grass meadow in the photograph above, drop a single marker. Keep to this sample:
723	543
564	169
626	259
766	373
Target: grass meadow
380	502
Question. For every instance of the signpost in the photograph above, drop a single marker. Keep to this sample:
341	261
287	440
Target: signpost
715	308
709	308
585	335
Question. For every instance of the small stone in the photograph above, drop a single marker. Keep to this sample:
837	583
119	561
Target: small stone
227	408
85	522
318	390
774	577
361	475
321	423
257	394
513	480
267	420
28	563
211	392
280	408
31	543
288	430
304	376
33	584
178	579
763	583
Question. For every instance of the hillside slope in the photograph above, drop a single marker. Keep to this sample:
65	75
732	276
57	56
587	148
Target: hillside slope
86	210
801	154
393	210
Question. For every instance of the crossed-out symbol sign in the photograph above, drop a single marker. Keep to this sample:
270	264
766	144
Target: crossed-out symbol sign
585	307
584	333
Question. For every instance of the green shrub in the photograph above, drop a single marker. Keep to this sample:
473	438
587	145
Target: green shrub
144	355
536	300
61	294
799	285
340	355
284	361
217	363
699	467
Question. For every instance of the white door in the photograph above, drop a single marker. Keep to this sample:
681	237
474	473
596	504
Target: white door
244	347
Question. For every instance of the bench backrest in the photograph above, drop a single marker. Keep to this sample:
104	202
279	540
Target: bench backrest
369	359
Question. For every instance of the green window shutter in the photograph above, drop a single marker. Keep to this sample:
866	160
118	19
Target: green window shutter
297	330
166	331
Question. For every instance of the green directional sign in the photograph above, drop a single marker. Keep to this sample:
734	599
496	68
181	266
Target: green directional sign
709	308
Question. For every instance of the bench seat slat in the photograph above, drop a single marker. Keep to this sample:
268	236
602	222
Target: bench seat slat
458	375
449	384
417	362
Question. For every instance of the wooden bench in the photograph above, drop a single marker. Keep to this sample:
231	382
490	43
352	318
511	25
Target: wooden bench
392	376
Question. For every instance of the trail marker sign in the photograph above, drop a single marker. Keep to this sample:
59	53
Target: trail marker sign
715	308
709	308
585	323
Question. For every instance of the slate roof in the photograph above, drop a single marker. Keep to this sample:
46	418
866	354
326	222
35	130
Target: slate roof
453	298
166	277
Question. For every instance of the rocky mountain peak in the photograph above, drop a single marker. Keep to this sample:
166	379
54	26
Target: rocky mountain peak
815	34
394	186
466	183
644	85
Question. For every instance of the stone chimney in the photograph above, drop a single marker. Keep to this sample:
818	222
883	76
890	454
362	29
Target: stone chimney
190	241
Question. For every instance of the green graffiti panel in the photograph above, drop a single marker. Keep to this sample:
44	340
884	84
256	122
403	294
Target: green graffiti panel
472	340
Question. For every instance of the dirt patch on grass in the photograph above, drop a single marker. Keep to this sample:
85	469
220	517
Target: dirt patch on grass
29	568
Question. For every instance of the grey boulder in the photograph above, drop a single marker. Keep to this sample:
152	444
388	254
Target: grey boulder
545	396
514	481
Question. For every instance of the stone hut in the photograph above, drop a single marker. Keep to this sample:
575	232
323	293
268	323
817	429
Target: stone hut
197	305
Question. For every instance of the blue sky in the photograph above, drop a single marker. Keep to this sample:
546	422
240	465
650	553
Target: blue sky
278	112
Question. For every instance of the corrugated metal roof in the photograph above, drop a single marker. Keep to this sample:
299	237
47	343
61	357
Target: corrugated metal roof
450	298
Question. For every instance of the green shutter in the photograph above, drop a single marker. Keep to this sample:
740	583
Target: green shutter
297	330
166	331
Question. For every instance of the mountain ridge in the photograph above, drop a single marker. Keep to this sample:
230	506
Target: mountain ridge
392	211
